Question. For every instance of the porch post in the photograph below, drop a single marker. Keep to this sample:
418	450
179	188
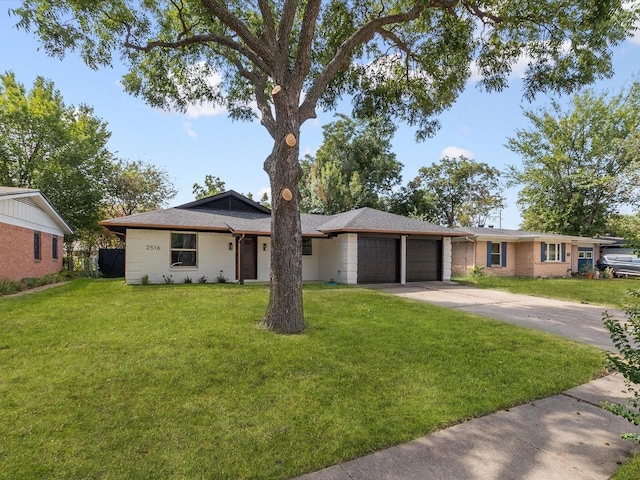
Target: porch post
403	259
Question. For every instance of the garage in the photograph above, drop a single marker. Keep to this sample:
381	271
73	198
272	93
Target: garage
378	260
424	260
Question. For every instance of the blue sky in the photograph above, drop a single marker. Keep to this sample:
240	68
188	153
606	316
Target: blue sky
204	141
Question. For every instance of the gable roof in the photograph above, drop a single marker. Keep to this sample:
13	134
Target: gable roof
243	216
227	201
371	220
37	198
488	233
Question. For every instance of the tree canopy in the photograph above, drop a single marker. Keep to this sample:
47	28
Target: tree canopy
354	167
136	187
212	186
402	59
580	164
59	149
453	192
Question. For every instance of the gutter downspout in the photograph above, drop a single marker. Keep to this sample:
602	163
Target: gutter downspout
239	242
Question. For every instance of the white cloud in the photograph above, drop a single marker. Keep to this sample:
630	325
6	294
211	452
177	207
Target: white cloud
262	191
635	39
204	110
188	127
454	152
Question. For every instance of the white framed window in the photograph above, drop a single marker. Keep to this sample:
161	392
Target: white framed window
184	249
553	252
496	253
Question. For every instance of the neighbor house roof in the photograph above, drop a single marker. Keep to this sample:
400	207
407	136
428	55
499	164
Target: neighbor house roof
37	199
243	216
488	233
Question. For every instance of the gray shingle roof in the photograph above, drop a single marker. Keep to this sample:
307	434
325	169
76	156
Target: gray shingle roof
370	219
361	220
523	234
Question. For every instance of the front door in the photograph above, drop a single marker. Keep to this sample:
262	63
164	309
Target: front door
585	258
248	258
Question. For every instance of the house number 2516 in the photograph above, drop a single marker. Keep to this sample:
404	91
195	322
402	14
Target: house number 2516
153	247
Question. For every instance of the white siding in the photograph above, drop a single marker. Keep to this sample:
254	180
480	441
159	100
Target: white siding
27	215
310	263
149	253
446	258
264	259
339	258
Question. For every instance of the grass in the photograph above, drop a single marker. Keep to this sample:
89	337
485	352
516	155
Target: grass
106	381
630	470
606	292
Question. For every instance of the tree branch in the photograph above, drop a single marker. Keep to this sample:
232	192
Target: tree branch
307	33
343	55
230	20
268	23
198	39
283	36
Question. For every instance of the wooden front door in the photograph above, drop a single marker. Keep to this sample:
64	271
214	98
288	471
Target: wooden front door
248	258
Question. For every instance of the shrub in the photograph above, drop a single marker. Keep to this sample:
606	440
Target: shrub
202	279
187	279
168	279
477	271
626	338
145	279
7	287
221	278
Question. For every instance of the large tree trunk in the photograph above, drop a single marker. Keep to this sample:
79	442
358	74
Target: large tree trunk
285	313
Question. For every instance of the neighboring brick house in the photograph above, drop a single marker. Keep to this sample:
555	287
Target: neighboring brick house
31	234
517	253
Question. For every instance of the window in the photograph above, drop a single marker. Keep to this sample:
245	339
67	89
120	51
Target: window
496	254
54	248
553	252
36	246
307	247
184	251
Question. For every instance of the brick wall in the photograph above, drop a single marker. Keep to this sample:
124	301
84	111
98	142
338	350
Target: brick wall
16	254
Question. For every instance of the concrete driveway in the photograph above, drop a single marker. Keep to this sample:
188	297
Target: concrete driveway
576	321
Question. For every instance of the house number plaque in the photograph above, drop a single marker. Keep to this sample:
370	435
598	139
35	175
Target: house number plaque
153	247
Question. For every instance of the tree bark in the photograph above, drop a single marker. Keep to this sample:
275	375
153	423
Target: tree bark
285	311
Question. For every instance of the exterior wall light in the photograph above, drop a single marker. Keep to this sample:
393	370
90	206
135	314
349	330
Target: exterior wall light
230	245
264	247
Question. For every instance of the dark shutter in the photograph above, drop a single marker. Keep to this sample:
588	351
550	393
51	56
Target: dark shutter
489	247
503	252
543	252
564	252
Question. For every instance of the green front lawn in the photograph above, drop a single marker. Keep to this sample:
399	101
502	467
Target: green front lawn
607	292
106	381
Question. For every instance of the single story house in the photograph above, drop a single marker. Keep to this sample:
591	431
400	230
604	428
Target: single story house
229	235
31	234
518	253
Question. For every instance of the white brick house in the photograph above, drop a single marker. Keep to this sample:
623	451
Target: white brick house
229	235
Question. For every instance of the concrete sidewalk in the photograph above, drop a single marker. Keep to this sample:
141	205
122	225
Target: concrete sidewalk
564	437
